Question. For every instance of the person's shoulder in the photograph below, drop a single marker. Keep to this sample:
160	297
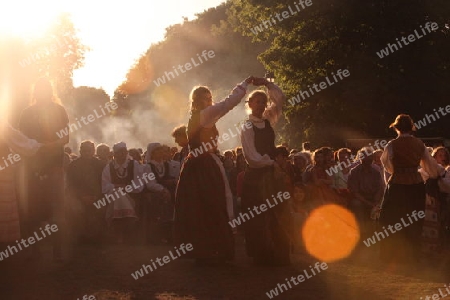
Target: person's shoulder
419	141
58	107
29	108
73	165
390	142
135	163
246	124
28	111
97	162
357	168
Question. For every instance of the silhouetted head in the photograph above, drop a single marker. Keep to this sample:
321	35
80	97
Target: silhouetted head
201	98
43	91
257	102
403	124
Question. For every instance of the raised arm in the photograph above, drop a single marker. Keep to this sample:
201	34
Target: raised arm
210	115
274	110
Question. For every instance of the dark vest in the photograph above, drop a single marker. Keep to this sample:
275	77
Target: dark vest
199	136
407	153
265	140
165	175
126	180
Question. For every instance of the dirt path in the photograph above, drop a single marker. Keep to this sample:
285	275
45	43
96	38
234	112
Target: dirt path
105	272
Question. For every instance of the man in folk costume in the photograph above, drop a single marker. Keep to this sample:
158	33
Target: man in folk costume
84	187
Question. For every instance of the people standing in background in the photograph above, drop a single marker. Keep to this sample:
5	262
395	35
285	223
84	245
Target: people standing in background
173	151
44	173
180	136
299	164
135	155
173	165
306	147
119	173
162	200
342	157
241	166
366	187
84	187
379	166
117	176
103	152
436	207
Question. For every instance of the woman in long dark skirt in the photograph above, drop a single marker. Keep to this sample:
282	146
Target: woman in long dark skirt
404	196
266	234
43	121
204	203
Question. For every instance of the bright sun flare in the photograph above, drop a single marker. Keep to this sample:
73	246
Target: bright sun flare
330	233
27	19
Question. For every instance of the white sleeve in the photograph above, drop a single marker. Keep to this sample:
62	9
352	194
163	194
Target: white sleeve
274	111
107	186
210	115
18	142
253	158
429	164
386	158
151	184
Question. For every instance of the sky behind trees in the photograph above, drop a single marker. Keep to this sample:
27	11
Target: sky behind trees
116	32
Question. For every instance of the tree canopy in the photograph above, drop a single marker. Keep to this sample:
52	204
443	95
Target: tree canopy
304	44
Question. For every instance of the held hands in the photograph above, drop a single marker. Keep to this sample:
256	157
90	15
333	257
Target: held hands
249	79
256	81
260	81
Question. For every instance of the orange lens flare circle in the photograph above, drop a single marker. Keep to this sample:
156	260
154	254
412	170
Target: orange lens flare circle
330	233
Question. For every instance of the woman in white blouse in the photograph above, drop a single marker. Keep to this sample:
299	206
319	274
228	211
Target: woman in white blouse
266	234
204	203
404	197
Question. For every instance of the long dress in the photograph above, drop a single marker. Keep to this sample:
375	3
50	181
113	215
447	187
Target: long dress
9	214
405	193
267	235
203	201
44	172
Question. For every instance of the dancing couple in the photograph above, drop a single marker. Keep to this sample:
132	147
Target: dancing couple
204	204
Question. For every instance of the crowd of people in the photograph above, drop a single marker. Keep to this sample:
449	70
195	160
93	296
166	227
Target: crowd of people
165	194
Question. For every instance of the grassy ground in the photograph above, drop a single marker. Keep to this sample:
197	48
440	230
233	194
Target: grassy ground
105	272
